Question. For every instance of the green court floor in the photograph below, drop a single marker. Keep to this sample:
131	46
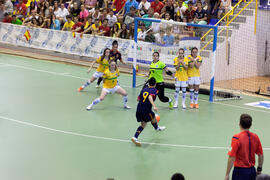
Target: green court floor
46	133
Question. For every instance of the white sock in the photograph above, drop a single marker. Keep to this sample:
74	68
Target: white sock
176	95
191	91
86	84
196	96
125	100
184	91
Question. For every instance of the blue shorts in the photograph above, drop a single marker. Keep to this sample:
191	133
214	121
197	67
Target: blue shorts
244	173
144	116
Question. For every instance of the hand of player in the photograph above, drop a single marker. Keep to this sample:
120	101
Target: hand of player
155	109
227	177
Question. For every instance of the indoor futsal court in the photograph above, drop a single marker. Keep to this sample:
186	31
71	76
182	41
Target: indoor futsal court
46	132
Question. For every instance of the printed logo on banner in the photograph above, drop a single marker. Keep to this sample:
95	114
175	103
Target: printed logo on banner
19	37
125	46
35	36
50	36
91	45
63	39
78	41
260	104
107	45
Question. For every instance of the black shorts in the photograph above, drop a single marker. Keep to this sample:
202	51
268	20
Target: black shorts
144	116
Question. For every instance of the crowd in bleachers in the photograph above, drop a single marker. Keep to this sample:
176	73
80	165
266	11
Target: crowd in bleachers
114	18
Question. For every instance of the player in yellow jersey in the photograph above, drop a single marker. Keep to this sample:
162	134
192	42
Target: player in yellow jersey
103	62
110	86
181	77
194	64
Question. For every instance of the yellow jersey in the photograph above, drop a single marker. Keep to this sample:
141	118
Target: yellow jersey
181	73
103	64
110	79
68	25
194	72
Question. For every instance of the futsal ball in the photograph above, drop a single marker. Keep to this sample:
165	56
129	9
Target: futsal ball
157	117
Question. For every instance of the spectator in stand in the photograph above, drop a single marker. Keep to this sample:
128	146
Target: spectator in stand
87	26
213	7
55	23
168	39
156	26
69	24
104	29
15	20
244	146
224	7
62	13
123	32
150	14
118	5
33	23
159	36
32	7
129	17
2	10
96	14
142	32
168	8
157	6
190	13
114	31
144	6
103	15
83	14
95	27
8	6
77	27
47	9
42	23
180	9
128	5
150	37
112	19
131	31
89	4
32	15
200	15
7	18
74	9
21	10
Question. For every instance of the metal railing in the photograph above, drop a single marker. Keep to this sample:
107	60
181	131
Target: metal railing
227	15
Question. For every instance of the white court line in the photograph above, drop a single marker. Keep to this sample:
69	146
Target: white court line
77	77
114	139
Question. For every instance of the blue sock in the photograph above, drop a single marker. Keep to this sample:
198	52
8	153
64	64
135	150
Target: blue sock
138	132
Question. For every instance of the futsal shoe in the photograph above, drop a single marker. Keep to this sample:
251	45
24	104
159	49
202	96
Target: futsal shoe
97	86
136	141
184	106
175	106
161	128
127	107
170	105
196	106
80	89
191	106
88	108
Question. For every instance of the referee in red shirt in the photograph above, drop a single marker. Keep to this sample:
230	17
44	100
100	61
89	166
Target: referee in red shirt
244	146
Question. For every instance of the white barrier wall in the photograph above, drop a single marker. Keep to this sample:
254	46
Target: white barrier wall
89	46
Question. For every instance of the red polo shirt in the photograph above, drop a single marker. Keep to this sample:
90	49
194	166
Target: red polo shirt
244	147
